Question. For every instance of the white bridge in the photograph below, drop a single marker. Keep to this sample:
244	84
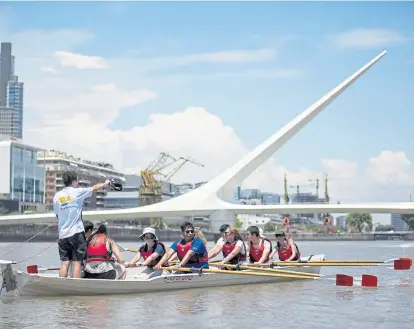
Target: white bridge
210	198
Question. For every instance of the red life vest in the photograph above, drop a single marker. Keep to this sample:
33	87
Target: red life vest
286	253
97	251
183	248
228	249
146	252
256	254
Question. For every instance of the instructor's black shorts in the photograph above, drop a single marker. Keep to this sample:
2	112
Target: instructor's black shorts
73	248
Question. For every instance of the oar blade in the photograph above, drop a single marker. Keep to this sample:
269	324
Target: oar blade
344	280
32	269
402	264
369	281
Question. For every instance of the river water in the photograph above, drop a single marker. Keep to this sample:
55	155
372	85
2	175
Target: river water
299	304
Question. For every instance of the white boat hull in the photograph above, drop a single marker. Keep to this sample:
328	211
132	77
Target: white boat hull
51	284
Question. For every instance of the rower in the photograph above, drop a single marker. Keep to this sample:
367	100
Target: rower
260	247
285	247
152	251
100	250
190	250
219	245
234	249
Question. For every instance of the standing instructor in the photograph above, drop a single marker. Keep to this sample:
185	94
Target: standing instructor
67	205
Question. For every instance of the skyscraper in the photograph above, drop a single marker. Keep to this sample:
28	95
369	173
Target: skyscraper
5	70
11	94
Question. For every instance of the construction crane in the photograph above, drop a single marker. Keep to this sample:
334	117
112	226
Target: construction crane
152	180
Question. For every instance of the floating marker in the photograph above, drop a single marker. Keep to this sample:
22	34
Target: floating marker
344	280
369	281
32	269
402	264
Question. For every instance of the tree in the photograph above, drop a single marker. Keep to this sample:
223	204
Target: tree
239	223
360	220
409	219
269	227
384	228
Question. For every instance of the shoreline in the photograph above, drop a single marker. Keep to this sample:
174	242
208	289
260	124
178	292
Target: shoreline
21	233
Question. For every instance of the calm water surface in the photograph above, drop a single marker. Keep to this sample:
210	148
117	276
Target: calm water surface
300	304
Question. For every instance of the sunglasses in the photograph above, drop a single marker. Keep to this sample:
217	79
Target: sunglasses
148	237
279	235
189	231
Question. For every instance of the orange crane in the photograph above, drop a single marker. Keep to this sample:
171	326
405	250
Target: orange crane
153	178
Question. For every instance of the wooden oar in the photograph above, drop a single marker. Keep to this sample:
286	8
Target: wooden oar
337	261
288	276
271	270
399	264
122	249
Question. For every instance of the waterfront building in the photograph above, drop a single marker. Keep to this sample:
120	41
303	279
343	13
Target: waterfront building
89	173
22	178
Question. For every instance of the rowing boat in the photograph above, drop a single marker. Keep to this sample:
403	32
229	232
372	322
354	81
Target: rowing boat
21	283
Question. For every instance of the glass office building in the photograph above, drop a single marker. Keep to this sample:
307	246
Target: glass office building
15	101
21	178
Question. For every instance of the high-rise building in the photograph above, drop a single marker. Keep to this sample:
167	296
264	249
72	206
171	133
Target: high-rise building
22	179
397	223
6	68
11	94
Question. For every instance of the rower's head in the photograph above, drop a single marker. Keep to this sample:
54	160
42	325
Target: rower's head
223	229
70	179
187	230
232	234
88	226
280	236
149	236
253	234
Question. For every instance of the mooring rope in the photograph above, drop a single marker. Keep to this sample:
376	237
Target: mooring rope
44	249
23	243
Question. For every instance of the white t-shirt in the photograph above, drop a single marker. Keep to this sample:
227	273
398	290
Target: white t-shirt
67	205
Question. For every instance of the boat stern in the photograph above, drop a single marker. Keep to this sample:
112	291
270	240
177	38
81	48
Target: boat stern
8	280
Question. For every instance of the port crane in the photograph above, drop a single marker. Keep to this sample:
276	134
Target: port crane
154	177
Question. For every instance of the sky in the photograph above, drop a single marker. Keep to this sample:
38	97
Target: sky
121	82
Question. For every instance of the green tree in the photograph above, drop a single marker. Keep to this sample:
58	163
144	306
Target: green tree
409	219
384	228
360	220
269	227
239	224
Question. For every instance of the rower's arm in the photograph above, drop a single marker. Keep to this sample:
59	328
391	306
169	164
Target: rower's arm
153	256
118	255
164	258
274	251
187	257
234	253
215	251
173	257
294	251
265	254
135	260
